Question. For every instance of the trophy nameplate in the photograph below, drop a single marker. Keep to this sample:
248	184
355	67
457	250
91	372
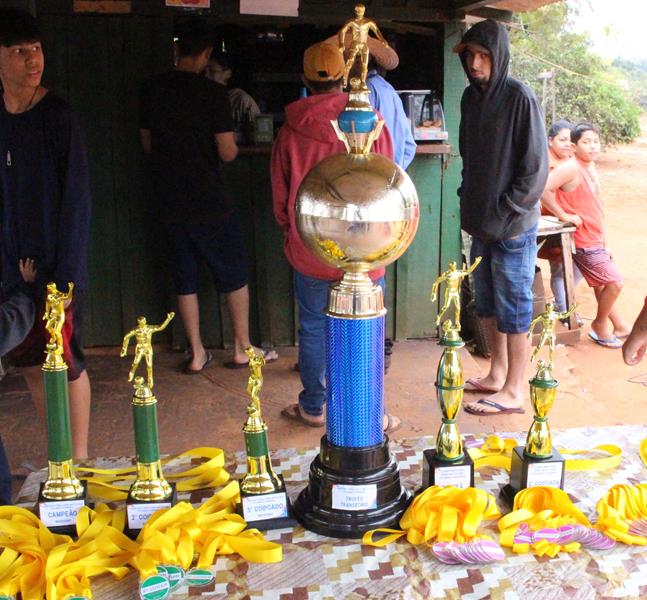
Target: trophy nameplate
435	471
139	511
60	515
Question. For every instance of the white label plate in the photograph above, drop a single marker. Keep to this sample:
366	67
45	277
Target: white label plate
459	476
138	514
60	513
549	474
265	506
354	497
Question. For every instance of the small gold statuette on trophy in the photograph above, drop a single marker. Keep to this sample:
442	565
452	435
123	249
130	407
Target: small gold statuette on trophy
448	464
264	503
538	463
150	491
62	494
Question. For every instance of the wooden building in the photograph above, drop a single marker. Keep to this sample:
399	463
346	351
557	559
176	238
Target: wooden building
98	53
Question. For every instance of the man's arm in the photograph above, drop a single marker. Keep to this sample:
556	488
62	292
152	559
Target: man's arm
226	146
634	348
378	34
125	342
280	179
145	139
532	157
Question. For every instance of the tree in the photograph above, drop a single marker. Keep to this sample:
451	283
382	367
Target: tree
586	87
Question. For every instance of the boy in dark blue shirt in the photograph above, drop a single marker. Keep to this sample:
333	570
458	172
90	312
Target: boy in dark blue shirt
44	207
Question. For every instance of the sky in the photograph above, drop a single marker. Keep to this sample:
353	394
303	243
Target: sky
617	27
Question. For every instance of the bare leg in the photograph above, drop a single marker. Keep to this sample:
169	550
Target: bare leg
499	356
80	398
606	296
189	308
512	394
238	304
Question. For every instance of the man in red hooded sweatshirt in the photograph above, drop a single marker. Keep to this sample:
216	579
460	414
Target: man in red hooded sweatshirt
305	140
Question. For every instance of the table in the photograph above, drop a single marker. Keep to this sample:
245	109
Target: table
550	227
318	567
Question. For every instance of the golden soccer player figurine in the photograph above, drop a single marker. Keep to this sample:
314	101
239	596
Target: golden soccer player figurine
548	320
54	318
452	278
359	28
143	334
255	381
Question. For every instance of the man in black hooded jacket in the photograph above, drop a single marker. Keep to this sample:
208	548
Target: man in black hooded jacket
505	165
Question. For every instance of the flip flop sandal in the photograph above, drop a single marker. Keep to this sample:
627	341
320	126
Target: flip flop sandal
614	342
207	362
500	409
293	412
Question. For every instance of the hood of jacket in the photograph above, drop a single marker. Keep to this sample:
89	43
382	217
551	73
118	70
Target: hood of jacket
494	37
311	116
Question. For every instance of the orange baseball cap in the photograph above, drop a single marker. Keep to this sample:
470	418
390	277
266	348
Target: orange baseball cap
323	62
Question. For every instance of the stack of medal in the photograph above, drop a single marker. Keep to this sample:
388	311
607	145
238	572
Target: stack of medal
447	464
539	464
264	502
150	491
356	211
62	494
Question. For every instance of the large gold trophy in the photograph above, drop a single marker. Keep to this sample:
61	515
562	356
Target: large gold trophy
538	463
150	491
264	502
62	494
448	464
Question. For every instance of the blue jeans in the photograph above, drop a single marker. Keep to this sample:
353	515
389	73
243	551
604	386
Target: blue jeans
503	280
5	477
312	300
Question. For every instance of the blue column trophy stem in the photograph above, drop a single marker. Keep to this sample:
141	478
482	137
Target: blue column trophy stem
356	211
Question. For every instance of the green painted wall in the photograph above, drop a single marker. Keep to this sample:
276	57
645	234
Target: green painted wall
98	63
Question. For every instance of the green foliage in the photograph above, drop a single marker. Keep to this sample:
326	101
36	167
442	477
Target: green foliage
586	88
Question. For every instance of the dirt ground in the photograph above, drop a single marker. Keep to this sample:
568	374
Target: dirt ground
596	387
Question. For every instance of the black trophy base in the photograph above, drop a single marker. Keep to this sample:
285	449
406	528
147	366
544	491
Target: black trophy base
435	471
351	491
139	511
60	515
267	511
526	472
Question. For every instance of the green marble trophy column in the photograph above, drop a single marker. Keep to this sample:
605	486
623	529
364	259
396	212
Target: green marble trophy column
62	494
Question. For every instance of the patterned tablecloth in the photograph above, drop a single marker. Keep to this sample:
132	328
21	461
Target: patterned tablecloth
318	567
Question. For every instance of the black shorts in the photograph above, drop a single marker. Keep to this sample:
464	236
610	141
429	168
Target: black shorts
219	244
31	352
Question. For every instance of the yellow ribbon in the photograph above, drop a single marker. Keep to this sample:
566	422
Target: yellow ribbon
440	513
175	535
643	451
540	508
619	507
496	452
208	474
40	564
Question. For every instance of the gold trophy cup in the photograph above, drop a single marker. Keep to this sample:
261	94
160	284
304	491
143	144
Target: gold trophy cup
538	463
448	464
